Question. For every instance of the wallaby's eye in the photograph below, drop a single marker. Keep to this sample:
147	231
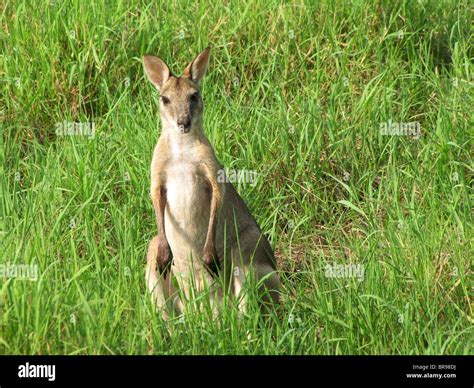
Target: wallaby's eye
194	97
165	100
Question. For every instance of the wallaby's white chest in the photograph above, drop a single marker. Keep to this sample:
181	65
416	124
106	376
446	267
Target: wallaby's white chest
186	199
186	214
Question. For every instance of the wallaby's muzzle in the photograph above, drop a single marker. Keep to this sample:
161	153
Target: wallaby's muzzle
184	126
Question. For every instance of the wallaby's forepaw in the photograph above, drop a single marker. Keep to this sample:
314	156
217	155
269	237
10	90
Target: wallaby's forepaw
211	261
164	255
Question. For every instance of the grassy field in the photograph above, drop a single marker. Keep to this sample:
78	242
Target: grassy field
298	92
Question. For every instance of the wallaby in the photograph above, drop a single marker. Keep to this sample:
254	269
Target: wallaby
206	234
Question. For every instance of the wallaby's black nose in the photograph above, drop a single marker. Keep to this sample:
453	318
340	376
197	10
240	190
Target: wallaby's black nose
184	123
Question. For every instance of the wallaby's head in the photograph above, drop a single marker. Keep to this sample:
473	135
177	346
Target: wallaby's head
181	104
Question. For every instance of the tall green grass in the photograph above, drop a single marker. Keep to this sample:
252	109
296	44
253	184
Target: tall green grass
296	91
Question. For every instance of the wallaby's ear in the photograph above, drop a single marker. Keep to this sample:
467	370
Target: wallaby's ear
197	68
156	70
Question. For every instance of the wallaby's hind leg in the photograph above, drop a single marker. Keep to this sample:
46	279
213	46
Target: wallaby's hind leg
270	286
158	280
264	275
